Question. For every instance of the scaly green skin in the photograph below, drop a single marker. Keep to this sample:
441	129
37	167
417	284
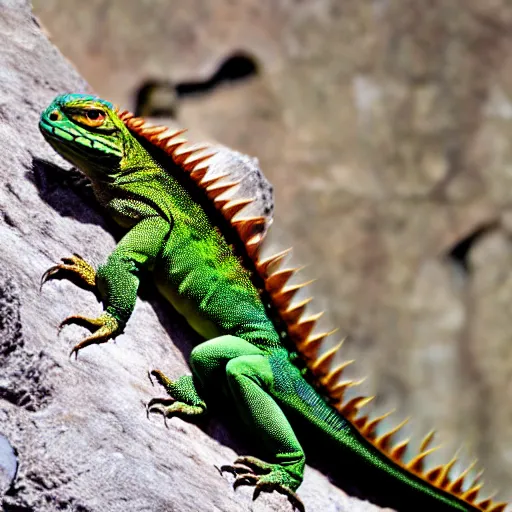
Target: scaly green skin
170	235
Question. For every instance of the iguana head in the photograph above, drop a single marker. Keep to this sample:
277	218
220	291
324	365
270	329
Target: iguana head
86	131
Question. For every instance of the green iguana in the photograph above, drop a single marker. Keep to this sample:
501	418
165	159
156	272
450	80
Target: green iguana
261	353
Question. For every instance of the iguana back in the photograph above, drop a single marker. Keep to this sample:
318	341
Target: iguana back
189	229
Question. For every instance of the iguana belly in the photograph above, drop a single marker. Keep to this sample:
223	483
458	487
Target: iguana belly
188	309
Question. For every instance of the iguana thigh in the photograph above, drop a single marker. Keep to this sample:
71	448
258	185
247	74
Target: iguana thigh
245	374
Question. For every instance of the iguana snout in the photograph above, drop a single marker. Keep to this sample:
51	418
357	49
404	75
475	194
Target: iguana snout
85	130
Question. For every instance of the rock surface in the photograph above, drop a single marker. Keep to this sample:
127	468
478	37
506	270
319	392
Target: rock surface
385	127
73	434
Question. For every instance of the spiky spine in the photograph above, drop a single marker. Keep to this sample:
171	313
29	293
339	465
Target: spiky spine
194	161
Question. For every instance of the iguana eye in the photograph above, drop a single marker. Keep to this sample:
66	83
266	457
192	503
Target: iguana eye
55	116
95	117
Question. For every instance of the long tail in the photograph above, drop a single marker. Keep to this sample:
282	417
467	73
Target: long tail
354	433
362	462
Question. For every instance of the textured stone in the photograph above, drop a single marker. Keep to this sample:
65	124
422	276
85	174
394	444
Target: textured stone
78	429
385	128
8	464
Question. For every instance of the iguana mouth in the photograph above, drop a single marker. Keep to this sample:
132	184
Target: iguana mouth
72	139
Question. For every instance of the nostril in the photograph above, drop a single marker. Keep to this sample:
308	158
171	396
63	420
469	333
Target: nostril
54	116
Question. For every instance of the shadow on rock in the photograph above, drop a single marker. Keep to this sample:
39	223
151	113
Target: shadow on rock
68	192
222	424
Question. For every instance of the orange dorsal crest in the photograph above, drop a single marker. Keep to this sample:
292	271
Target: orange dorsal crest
194	161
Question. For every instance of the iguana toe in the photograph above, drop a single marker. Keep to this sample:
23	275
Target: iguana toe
265	477
236	469
264	486
75	268
105	327
183	400
162	379
168	407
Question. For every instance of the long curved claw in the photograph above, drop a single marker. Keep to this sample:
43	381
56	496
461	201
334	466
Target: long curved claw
77	269
83	321
169	407
256	465
245	479
160	406
152	405
291	495
105	327
236	470
182	400
161	378
252	471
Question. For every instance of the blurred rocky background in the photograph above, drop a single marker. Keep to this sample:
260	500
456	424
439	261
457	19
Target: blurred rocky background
384	126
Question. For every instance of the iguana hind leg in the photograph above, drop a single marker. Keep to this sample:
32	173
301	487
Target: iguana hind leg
245	373
208	360
184	399
264	476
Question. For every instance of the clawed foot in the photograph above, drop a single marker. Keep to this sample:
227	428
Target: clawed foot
265	477
74	267
80	272
103	328
168	407
183	402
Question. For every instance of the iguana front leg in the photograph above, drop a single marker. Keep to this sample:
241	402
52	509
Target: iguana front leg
117	280
83	274
244	372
